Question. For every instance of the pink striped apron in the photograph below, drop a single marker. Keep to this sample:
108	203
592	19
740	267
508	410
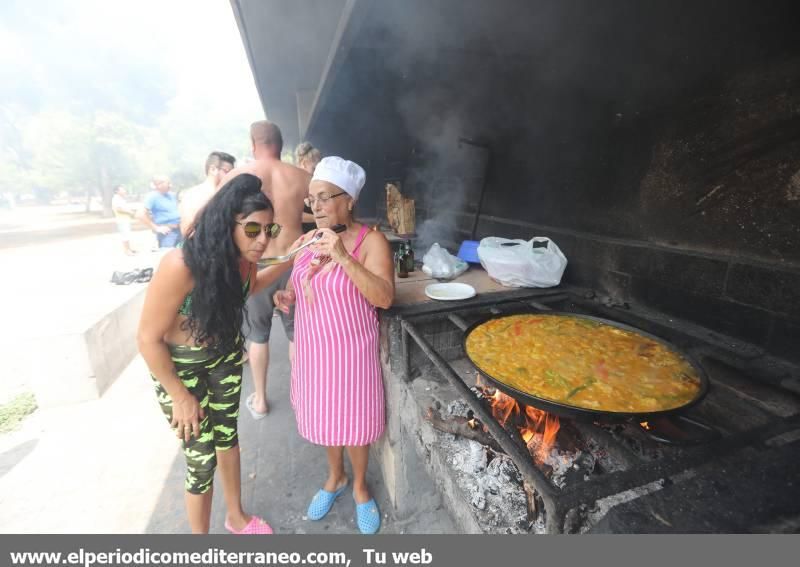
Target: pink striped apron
337	386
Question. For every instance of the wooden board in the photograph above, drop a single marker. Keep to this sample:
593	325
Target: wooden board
399	211
411	290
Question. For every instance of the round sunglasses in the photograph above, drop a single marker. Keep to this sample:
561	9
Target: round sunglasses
252	229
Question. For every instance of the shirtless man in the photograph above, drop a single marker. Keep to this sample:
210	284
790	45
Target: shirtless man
286	186
218	165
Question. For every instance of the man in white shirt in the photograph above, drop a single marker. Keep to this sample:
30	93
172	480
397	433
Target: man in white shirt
124	213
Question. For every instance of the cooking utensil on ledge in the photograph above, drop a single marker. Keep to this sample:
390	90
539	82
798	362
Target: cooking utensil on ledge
274	260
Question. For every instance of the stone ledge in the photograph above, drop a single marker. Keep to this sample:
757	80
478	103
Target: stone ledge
79	366
419	469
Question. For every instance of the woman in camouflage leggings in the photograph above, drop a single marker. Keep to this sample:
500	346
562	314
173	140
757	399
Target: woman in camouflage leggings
189	337
216	381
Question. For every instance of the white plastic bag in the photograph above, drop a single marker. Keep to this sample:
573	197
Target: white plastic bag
439	263
517	263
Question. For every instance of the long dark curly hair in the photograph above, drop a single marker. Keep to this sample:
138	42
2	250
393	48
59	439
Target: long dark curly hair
211	254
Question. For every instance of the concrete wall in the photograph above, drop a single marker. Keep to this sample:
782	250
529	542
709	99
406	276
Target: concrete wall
405	471
79	366
755	302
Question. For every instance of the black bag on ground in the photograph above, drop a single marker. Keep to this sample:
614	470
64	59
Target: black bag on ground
138	276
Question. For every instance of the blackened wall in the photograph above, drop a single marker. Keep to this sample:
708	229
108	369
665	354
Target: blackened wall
756	302
657	142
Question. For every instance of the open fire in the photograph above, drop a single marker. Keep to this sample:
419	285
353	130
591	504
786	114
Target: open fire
537	428
575	475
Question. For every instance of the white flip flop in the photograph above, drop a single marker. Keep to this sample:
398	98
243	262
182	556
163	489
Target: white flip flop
249	403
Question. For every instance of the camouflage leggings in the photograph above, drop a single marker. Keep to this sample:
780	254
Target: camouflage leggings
216	382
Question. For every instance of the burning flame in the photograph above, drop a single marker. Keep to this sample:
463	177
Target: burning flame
645	425
537	428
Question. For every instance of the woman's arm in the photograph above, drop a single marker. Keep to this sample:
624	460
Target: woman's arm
169	286
283	299
374	278
267	276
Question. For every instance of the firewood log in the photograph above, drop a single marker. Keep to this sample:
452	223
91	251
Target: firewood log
400	211
458	425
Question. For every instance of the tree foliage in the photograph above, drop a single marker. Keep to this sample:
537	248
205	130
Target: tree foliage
85	109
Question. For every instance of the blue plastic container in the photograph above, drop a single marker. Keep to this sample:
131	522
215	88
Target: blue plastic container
469	251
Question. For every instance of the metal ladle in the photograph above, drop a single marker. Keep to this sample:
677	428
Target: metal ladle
274	260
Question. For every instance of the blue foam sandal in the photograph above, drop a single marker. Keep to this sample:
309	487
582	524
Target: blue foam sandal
322	503
368	517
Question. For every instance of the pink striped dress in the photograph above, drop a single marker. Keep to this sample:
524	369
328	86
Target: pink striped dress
337	386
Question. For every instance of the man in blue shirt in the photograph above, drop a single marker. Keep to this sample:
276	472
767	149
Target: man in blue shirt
160	213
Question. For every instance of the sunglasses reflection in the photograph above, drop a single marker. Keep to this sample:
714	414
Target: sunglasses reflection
252	229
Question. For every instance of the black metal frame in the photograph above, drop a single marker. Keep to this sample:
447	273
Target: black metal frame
577	412
562	505
532	475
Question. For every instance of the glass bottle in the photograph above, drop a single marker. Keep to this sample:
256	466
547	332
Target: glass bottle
400	262
409	257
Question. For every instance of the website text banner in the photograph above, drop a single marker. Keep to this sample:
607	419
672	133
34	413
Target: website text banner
396	551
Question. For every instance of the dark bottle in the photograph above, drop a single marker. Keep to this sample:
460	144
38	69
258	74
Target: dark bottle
400	262
409	257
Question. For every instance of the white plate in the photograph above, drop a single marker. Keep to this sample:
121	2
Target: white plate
450	291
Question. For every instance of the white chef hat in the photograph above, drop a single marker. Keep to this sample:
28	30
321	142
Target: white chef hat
346	175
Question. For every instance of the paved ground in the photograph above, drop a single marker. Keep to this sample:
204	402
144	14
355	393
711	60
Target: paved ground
87	468
28	225
113	466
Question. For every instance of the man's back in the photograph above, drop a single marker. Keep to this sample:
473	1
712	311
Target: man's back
192	200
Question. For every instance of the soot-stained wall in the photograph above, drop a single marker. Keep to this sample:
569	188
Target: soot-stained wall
658	143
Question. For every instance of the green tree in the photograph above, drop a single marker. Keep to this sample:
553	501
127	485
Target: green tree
90	154
57	143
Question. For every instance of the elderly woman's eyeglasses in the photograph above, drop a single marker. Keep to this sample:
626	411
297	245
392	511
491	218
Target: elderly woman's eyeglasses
252	229
322	198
